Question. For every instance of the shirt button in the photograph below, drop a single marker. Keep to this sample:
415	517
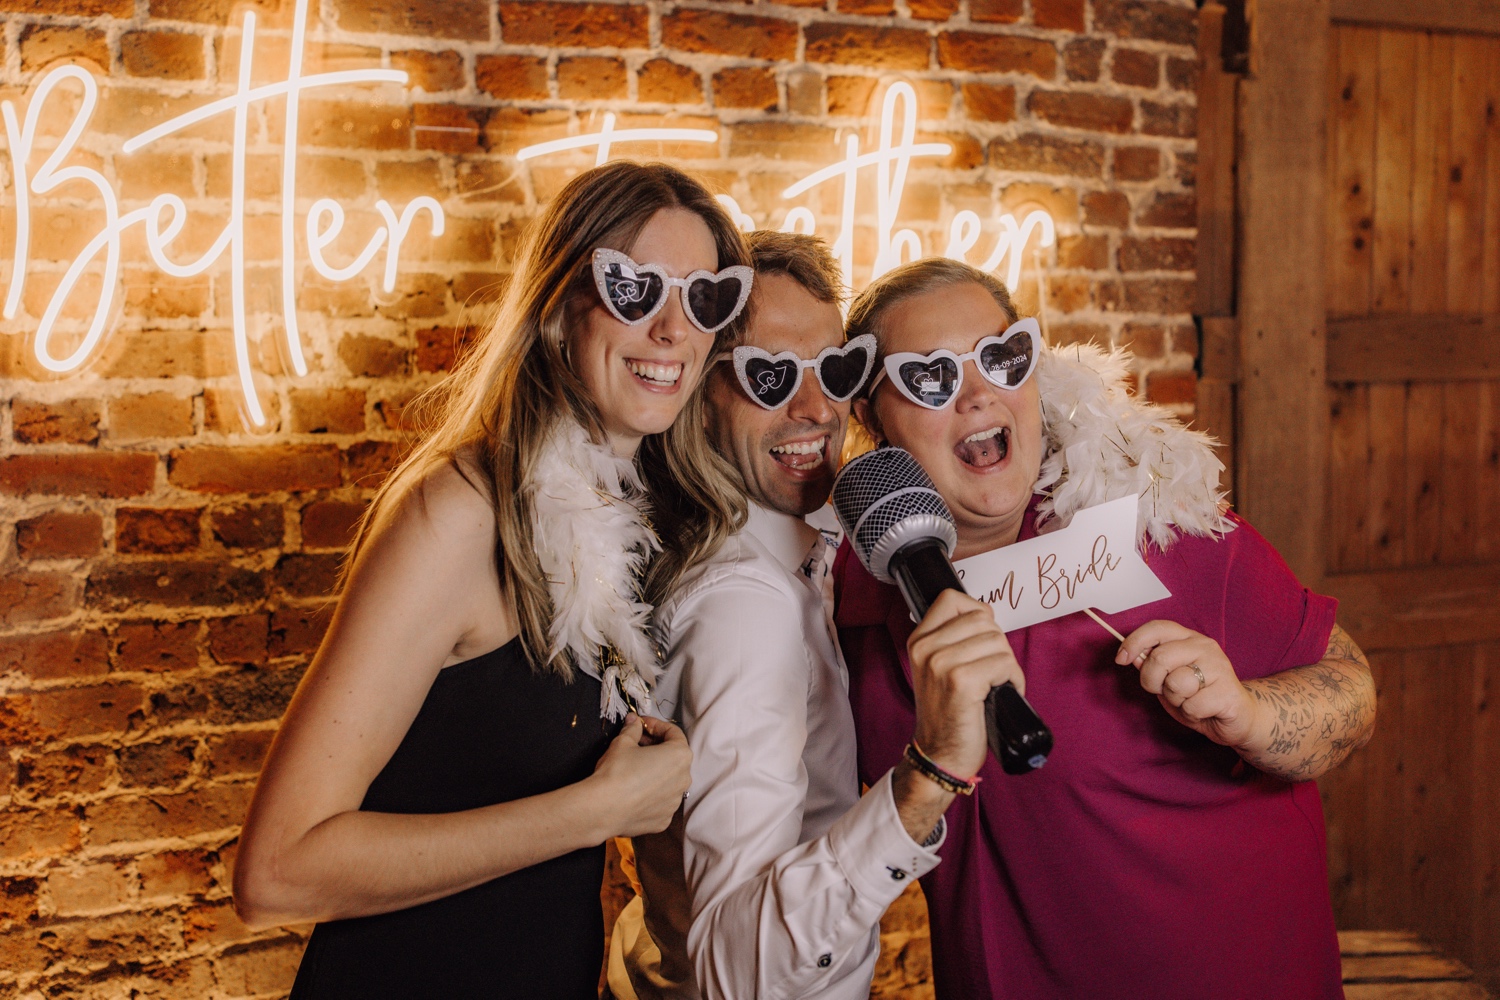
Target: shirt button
825	961
896	873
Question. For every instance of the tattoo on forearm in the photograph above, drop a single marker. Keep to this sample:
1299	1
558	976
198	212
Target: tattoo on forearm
1321	713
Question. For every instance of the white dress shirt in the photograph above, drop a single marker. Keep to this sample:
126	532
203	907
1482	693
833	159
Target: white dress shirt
772	879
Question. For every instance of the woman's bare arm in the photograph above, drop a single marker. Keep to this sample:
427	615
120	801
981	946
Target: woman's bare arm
423	593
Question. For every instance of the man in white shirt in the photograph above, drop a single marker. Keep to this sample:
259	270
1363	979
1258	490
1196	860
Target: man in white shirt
772	879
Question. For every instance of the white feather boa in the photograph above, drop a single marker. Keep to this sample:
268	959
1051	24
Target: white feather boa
593	541
1101	443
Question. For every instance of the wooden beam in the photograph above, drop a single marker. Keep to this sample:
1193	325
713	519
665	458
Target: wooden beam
1217	93
1219	351
1282	435
1406	348
1481	16
1419	608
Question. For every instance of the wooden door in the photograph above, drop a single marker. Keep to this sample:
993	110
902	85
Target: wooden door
1349	300
1413	494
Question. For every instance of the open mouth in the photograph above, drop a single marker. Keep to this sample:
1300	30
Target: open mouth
801	455
654	374
984	448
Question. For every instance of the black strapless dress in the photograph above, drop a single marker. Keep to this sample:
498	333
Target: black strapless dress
491	730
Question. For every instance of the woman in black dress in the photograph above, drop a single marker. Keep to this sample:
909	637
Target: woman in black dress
467	736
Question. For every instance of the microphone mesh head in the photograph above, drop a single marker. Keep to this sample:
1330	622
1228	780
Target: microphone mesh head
885	500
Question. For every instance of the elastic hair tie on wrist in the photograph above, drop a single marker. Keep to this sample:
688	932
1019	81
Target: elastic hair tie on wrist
930	769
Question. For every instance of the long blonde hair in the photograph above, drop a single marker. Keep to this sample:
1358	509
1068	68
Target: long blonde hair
490	417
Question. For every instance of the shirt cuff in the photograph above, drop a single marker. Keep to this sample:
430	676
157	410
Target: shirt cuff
873	848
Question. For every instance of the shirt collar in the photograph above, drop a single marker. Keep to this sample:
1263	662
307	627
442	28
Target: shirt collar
787	538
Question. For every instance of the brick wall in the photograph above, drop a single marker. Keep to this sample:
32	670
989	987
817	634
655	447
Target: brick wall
166	567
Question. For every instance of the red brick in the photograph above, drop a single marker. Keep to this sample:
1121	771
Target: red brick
175	873
1065	15
262	967
1086	253
150	415
730	34
156	646
165	762
98	474
868	8
1170	210
327	411
81	711
859	45
1182	74
72	421
347	125
661	81
782	141
50	655
18	897
986	53
935	10
330	524
575	25
1161	22
468	19
1159	295
1178	120
1106	208
60	534
590	78
512	77
996	11
295	630
75	769
256	526
745	87
448	128
433	72
175	584
30	597
72	8
218	12
309	574
238	753
37	833
210	807
989	102
366	463
1144	340
1157	254
1135	68
42	45
170	54
1172	387
224	413
1137	163
417	296
1048	155
372	357
156	529
262	469
1095	112
227	698
239	639
77	891
1082	58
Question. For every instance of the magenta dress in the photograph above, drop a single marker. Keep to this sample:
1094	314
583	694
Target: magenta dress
1144	860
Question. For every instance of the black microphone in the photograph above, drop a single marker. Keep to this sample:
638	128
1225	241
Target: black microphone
903	533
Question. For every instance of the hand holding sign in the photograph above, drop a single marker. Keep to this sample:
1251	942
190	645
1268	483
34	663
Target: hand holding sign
1092	563
1193	678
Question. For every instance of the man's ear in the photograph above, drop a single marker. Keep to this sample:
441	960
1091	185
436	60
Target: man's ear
865	414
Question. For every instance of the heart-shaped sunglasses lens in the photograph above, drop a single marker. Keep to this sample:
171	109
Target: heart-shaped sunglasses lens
843	373
631	295
932	382
771	382
1007	364
714	300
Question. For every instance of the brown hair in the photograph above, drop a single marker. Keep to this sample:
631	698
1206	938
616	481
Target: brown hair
492	415
804	258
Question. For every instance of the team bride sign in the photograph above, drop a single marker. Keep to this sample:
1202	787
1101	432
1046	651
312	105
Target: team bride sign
70	93
1092	563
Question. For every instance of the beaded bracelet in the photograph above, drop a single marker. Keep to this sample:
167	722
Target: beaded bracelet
929	768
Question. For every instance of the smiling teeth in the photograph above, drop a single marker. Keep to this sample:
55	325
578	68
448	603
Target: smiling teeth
801	447
984	435
656	374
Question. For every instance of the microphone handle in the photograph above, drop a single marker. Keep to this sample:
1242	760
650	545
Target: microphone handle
1017	735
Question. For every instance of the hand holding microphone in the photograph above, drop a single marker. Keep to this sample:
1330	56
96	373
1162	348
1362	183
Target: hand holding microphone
903	533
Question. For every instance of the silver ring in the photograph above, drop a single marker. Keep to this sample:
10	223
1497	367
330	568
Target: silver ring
1198	673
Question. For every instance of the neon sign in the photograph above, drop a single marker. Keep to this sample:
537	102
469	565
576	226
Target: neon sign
166	215
891	160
